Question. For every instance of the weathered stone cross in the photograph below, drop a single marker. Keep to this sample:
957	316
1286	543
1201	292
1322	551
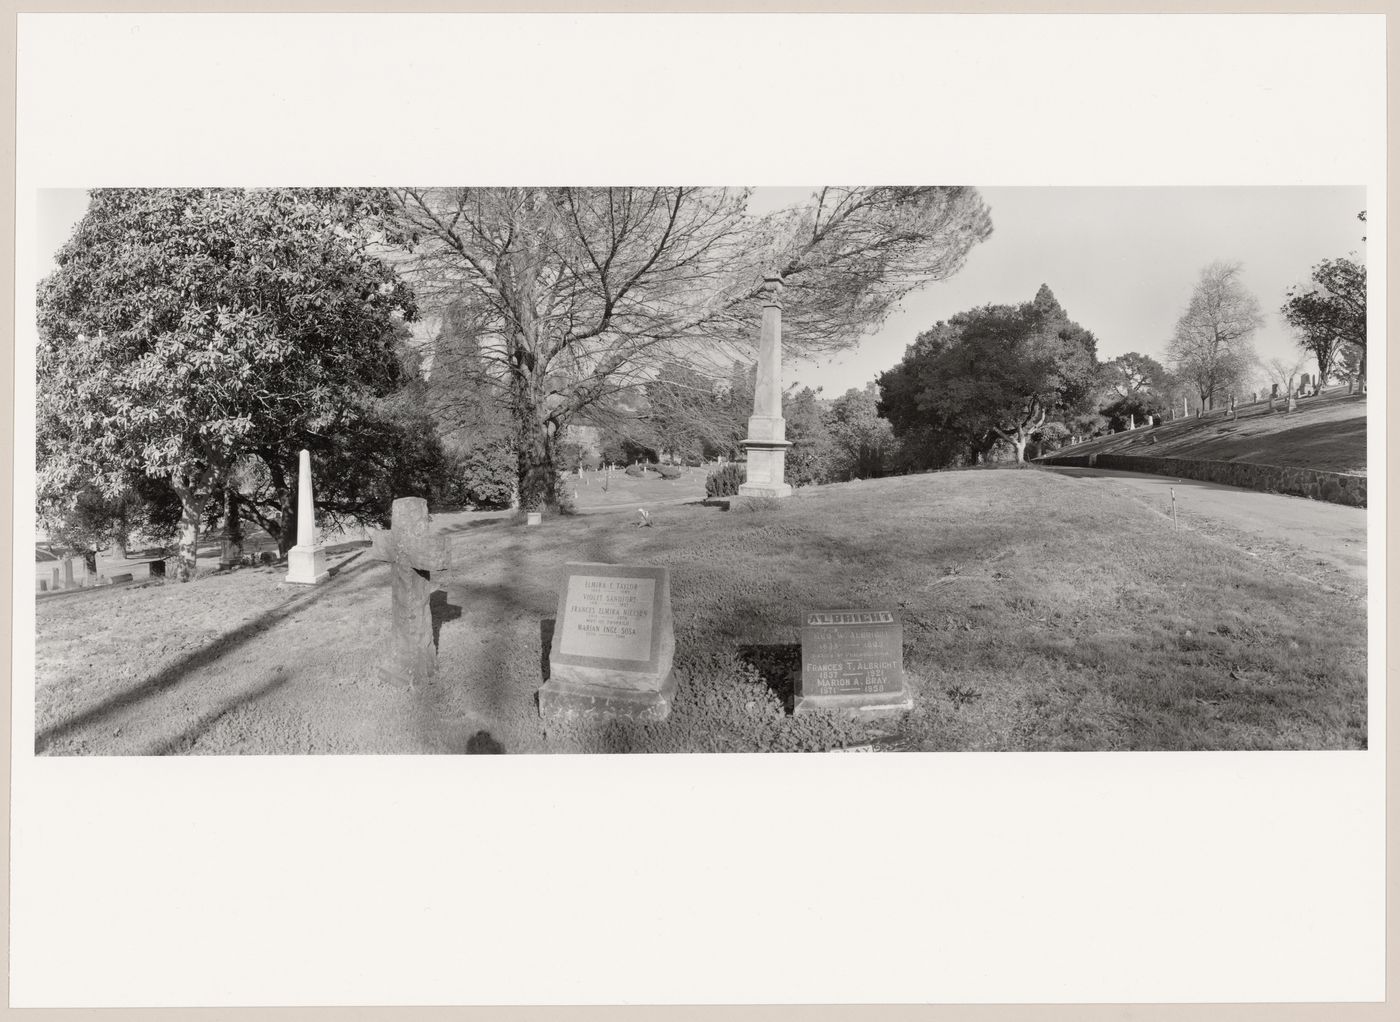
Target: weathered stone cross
413	553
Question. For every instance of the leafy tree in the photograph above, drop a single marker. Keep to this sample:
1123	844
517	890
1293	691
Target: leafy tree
809	458
186	330
1331	313
1134	373
1211	347
993	373
864	442
581	293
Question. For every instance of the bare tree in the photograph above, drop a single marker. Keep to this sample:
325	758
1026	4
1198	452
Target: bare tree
578	294
1284	371
1211	347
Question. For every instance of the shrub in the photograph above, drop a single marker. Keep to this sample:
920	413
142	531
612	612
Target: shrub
669	471
636	471
485	477
724	481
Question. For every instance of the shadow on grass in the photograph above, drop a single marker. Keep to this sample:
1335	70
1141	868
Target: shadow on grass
482	744
778	665
478	523
546	643
441	611
186	739
172	675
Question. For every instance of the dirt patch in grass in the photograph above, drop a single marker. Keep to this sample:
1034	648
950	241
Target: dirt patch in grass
1032	620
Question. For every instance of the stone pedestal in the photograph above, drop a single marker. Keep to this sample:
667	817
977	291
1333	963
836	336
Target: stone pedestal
307	565
766	467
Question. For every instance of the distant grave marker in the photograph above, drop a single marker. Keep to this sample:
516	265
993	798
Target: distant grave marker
413	554
853	663
613	644
56	584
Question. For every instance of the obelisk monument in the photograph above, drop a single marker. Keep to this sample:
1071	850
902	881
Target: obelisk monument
306	562
766	444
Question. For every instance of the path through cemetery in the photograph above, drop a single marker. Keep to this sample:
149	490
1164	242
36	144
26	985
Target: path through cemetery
1291	528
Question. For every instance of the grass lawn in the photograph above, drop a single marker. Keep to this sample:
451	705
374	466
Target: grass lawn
1039	613
1327	432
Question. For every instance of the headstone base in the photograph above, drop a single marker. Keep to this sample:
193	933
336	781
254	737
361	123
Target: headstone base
764	473
307	565
570	700
858	706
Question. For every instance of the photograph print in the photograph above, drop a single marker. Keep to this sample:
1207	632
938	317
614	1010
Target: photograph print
551	469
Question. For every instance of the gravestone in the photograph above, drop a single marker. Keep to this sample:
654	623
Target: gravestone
306	562
413	554
853	663
55	579
68	582
613	645
43	585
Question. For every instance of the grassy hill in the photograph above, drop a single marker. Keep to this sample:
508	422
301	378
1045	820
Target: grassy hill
1039	612
1327	433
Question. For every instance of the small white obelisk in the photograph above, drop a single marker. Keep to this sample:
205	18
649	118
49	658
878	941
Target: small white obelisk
306	562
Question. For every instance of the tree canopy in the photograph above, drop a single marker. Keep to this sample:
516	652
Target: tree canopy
187	329
1211	347
1330	313
581	293
996	372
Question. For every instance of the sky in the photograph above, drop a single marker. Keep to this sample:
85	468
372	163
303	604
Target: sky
1121	261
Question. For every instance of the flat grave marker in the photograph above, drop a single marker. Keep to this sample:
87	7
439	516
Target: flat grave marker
613	644
853	663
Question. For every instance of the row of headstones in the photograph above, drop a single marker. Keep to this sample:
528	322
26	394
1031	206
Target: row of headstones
614	643
68	580
614	640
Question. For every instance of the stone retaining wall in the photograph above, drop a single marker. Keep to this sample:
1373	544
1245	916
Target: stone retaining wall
1301	482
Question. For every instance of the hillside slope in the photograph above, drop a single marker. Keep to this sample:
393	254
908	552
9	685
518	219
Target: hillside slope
1326	433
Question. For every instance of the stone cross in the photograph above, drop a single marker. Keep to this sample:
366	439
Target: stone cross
413	553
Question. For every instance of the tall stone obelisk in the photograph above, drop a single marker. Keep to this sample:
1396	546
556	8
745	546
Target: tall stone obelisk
766	444
306	562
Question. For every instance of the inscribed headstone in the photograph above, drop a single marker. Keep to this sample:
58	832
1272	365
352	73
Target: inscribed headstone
613	644
853	662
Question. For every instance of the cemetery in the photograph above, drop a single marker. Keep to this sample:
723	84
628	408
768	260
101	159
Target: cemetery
464	550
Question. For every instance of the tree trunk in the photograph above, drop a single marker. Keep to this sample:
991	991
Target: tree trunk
192	505
1019	443
90	561
233	523
537	469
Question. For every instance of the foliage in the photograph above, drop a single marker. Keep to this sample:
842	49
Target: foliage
863	443
1211	347
809	456
486	476
187	329
725	480
1331	314
669	471
91	520
579	294
989	374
